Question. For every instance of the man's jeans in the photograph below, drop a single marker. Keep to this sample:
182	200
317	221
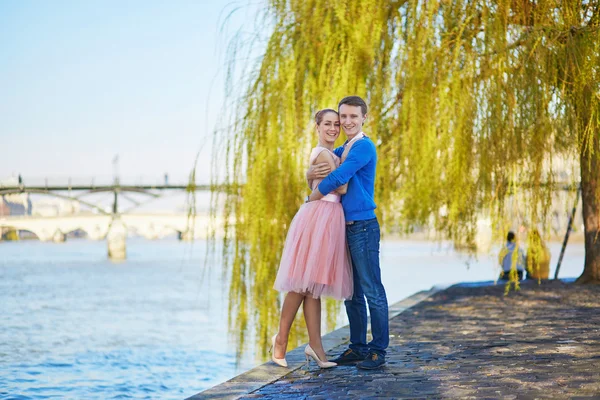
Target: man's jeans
363	241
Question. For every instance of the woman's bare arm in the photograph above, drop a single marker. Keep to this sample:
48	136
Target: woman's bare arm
325	158
317	171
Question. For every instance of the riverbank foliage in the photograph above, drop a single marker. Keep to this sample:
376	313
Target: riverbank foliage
474	107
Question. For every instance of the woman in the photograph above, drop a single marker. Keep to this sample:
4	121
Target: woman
315	259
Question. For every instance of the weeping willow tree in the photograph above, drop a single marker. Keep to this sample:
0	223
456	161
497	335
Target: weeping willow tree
471	106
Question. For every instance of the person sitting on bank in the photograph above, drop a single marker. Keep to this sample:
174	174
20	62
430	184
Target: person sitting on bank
538	257
508	257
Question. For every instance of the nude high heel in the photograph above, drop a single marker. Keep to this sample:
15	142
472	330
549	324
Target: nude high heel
309	352
279	361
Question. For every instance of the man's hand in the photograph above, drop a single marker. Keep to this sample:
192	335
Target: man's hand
317	171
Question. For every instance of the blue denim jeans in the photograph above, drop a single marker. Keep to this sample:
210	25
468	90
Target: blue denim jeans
363	241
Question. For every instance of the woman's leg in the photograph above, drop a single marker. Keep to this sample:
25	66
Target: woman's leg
312	316
291	304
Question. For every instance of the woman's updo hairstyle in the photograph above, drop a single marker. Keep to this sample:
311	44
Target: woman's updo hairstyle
320	114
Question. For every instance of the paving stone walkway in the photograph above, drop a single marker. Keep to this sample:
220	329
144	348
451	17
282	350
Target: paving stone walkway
474	342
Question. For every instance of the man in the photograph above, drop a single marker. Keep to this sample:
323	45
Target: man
508	257
359	160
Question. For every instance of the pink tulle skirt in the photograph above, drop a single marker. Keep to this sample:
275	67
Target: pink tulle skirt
315	257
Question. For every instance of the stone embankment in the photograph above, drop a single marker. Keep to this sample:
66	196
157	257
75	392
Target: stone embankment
464	342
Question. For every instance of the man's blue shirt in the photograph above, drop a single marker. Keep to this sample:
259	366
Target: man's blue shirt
358	171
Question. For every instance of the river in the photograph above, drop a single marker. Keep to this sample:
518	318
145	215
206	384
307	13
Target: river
77	326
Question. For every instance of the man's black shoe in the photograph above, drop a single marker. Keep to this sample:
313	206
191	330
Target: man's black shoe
373	361
348	357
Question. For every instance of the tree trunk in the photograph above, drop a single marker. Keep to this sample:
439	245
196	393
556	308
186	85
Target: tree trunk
591	210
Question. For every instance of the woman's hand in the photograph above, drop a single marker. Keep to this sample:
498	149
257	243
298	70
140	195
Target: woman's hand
342	189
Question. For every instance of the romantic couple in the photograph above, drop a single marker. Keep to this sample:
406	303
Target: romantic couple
338	216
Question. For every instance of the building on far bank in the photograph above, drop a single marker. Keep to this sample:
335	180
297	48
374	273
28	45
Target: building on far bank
15	204
4	209
53	207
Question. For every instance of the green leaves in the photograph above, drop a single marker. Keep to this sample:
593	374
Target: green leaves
474	107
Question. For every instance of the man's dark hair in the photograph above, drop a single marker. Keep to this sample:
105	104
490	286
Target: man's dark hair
354	101
511	236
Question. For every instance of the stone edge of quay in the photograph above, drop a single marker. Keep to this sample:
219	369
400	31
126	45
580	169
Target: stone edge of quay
268	372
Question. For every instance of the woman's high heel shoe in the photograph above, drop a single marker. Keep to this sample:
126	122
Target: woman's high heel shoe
278	361
309	352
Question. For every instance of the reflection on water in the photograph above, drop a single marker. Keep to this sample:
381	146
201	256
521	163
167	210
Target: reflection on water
75	325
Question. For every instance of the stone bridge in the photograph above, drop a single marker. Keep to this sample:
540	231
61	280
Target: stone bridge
97	227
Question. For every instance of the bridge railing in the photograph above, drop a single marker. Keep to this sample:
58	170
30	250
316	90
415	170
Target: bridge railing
53	181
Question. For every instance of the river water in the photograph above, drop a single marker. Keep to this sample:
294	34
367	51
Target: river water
75	326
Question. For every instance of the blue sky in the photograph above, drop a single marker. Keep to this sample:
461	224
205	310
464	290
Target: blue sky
82	81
